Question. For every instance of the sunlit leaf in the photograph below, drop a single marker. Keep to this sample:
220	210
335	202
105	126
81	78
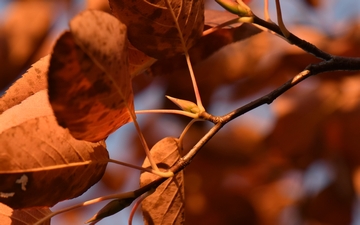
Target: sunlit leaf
151	28
166	204
89	81
208	45
32	81
215	17
40	162
138	61
8	216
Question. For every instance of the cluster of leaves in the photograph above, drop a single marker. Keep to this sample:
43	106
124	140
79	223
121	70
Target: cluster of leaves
79	95
85	86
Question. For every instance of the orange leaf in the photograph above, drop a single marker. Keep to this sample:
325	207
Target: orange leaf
40	162
166	204
138	61
216	17
151	28
31	82
8	216
89	80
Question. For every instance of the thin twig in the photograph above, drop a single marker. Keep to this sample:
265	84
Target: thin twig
220	26
266	11
187	57
337	63
186	129
282	26
330	63
167	111
293	39
130	194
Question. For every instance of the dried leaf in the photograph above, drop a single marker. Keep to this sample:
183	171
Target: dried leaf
31	82
40	162
8	216
216	17
138	61
205	47
151	28
89	81
166	204
211	72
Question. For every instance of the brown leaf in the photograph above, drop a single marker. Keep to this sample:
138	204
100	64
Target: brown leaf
8	216
205	47
31	82
211	72
138	61
175	68
40	162
166	204
151	28
216	17
89	81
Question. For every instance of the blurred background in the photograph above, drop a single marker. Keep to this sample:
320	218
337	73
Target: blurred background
291	163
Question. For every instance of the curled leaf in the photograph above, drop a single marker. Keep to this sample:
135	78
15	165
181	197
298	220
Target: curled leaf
89	81
166	204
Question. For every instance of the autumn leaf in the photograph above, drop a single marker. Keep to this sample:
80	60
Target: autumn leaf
174	68
166	204
138	61
151	27
205	47
31	82
8	216
206	61
40	162
214	18
89	80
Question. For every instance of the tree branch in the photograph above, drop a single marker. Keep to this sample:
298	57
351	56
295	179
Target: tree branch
293	39
336	63
329	63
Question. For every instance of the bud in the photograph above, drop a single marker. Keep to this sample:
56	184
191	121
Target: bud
239	7
111	208
185	105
